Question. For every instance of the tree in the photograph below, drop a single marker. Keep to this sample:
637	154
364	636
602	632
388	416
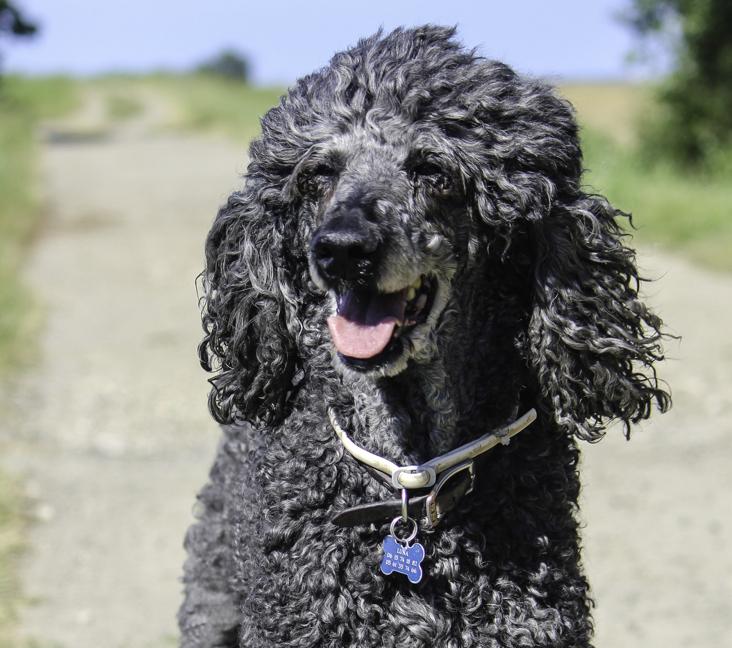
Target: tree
697	97
13	22
229	64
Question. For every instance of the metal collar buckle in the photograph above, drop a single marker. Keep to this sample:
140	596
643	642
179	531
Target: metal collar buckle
434	513
418	474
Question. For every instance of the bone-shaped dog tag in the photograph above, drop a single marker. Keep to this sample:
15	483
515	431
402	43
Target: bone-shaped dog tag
402	558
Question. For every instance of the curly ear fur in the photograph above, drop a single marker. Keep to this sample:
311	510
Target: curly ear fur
245	315
592	341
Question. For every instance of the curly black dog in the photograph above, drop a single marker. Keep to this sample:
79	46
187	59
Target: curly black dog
413	258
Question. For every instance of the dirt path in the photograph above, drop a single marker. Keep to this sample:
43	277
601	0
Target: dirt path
113	434
659	530
113	437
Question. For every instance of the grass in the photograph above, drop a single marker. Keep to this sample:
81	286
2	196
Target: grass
121	107
23	102
684	212
215	104
612	109
120	94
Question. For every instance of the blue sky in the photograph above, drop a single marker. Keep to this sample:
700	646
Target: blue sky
575	39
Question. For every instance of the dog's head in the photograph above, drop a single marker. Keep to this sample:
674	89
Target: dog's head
381	190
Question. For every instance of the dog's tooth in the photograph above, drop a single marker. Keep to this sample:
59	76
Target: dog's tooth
418	283
411	293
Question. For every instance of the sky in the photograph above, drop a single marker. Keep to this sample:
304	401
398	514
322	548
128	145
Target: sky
556	39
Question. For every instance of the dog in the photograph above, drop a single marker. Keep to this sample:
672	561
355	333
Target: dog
411	273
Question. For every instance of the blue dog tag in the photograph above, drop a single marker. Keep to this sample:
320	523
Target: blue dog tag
402	558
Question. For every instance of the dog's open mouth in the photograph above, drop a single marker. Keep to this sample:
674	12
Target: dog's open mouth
369	326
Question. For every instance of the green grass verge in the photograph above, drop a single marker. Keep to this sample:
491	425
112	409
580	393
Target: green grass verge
216	104
120	94
689	214
121	107
613	109
23	102
686	213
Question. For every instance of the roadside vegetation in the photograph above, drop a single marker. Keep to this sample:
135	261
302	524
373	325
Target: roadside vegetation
23	103
214	103
684	210
689	213
121	106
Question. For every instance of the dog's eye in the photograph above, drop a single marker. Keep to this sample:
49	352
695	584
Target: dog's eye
317	180
431	175
324	171
426	168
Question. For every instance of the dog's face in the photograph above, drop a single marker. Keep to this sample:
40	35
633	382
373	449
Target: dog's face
388	215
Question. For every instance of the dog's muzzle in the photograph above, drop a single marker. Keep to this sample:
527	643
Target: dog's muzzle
348	256
344	248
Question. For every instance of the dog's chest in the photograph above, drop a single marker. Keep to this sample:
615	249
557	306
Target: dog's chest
498	556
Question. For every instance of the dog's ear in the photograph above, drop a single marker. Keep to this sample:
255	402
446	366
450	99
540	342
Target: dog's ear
593	342
245	314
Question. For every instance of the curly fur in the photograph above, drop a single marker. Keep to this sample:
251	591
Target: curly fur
538	306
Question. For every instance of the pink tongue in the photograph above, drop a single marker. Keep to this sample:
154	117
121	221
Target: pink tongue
357	340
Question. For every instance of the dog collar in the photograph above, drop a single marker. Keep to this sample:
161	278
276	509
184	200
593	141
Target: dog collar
451	476
425	475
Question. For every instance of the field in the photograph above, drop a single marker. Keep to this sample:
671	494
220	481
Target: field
684	212
209	103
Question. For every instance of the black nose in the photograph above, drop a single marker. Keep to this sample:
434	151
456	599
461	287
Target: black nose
344	247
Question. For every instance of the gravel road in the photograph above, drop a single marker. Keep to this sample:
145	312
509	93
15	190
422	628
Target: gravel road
111	433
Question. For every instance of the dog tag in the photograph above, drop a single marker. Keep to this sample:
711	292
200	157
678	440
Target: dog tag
402	558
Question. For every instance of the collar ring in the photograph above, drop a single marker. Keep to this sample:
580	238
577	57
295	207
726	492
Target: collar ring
411	477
